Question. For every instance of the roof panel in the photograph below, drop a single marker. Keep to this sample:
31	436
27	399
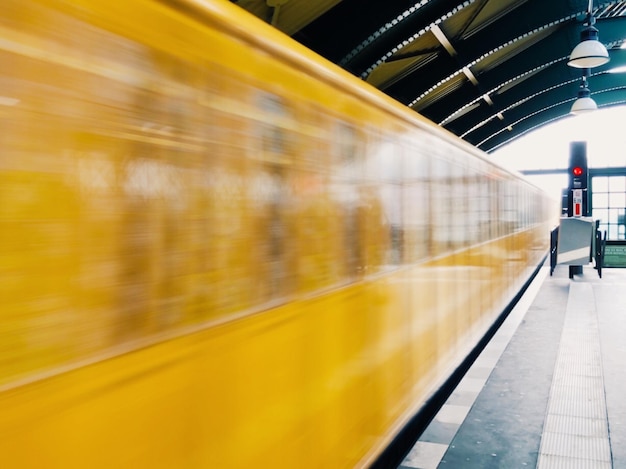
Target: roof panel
290	16
388	73
487	70
425	43
487	13
452	84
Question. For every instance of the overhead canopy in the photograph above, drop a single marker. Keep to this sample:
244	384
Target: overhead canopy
487	70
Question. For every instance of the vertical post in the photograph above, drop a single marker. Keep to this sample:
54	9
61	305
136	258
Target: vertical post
578	180
577	193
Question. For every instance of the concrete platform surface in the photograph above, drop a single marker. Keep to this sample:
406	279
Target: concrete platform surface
549	391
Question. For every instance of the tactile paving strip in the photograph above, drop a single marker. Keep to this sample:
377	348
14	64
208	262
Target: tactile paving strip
576	430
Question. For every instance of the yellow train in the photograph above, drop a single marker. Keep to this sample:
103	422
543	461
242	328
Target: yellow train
218	250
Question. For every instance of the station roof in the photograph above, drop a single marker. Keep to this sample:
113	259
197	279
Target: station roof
489	71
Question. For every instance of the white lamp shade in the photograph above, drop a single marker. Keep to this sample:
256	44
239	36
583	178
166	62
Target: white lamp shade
588	54
582	105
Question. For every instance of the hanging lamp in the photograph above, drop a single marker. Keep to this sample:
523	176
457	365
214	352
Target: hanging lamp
583	103
590	52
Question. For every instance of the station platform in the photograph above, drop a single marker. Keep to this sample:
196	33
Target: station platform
549	389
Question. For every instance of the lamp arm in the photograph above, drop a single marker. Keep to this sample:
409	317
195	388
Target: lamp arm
590	20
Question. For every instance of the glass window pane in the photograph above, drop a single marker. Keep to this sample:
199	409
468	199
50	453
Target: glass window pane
600	184
616	200
600	200
613	216
601	214
617	184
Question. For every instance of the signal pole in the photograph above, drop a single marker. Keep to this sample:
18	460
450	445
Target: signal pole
577	189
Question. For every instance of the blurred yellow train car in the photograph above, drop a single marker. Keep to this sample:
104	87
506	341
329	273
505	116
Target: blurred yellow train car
218	250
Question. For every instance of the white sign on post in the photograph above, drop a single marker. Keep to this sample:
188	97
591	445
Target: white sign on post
577	197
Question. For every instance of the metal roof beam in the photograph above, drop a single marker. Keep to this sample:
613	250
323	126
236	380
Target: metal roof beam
538	94
531	121
507	90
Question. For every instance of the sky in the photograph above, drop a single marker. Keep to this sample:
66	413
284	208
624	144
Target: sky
604	131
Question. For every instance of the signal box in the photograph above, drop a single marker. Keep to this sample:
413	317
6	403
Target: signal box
578	200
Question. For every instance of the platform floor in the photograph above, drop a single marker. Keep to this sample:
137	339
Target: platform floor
549	391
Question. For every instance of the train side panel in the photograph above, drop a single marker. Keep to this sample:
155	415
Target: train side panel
215	254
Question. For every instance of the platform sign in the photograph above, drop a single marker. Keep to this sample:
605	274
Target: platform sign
577	194
614	255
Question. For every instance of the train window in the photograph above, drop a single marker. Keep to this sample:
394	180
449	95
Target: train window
475	210
494	196
276	233
270	238
316	244
459	206
442	195
347	165
345	143
314	140
508	213
274	135
385	167
273	195
347	154
391	197
416	206
484	206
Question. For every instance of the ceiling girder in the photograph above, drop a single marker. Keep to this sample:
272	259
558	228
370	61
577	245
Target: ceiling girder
561	98
487	70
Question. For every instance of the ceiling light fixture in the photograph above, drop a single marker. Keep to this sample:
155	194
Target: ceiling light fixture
590	52
584	103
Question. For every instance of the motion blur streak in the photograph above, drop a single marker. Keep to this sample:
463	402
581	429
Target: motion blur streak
217	250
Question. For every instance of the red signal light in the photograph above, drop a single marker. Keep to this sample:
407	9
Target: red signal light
577	171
